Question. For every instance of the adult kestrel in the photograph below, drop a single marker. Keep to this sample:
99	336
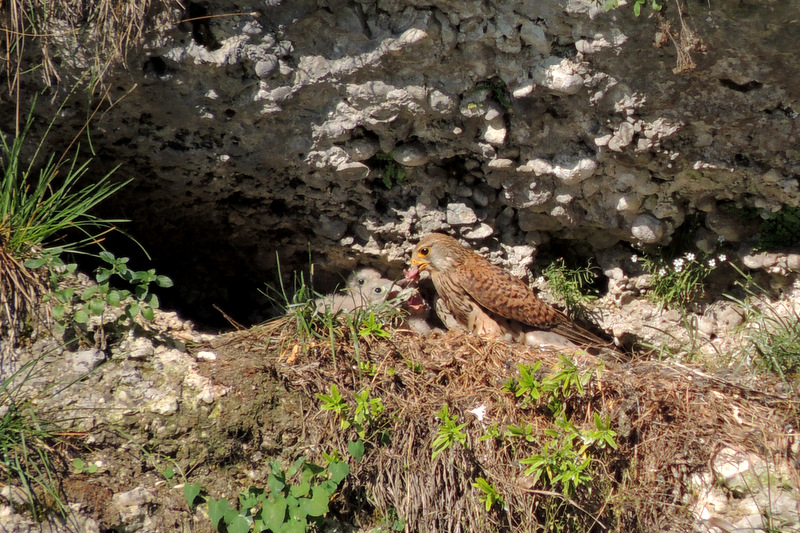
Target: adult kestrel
480	297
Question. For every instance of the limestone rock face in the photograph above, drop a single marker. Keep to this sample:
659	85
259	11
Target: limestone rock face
353	127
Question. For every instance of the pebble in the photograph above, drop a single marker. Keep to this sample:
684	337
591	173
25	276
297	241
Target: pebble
647	229
460	214
206	356
411	155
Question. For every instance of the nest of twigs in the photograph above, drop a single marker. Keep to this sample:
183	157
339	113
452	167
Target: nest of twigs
669	421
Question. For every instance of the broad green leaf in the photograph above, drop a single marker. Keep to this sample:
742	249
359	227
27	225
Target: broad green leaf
251	497
65	295
140	291
164	281
191	491
148	314
301	490
239	524
356	449
317	505
295	527
274	513
216	511
97	306
152	301
58	312
295	467
339	469
89	293
35	263
275	485
81	317
310	470
132	310
107	256
113	298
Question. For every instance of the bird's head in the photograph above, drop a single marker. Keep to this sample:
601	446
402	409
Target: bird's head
437	252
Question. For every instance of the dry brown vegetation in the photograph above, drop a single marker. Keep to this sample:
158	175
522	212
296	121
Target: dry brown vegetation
670	421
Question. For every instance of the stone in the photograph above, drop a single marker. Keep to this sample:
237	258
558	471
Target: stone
266	67
559	75
622	137
481	232
411	155
361	149
86	360
647	229
330	228
460	214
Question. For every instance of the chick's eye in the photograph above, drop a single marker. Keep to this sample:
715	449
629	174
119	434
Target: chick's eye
361	281
378	290
423	252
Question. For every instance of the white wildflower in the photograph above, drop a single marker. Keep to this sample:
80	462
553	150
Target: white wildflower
634	258
722	258
720	239
678	269
662	272
479	412
690	257
712	262
678	263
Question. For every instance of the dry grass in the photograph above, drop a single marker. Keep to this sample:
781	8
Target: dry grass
21	292
97	34
670	420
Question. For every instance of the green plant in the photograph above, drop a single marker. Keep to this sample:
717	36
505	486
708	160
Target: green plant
82	467
449	432
771	333
498	89
40	202
371	325
27	445
392	172
366	415
608	5
71	308
571	284
335	402
524	431
677	282
559	463
490	496
36	210
286	507
779	229
527	386
553	388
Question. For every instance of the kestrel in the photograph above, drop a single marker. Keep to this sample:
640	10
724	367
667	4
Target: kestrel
361	276
480	297
365	287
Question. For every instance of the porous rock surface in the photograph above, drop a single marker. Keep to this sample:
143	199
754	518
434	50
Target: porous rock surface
275	127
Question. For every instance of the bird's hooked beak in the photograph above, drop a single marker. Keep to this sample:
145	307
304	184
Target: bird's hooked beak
419	264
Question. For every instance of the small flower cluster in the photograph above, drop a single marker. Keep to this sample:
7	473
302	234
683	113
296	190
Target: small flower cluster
681	281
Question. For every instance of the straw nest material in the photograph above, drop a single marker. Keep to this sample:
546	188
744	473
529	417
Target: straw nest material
669	421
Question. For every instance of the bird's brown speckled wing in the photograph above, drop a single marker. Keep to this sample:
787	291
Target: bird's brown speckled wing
504	294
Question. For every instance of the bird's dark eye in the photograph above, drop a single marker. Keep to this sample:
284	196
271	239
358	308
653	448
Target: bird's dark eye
423	252
378	290
361	281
